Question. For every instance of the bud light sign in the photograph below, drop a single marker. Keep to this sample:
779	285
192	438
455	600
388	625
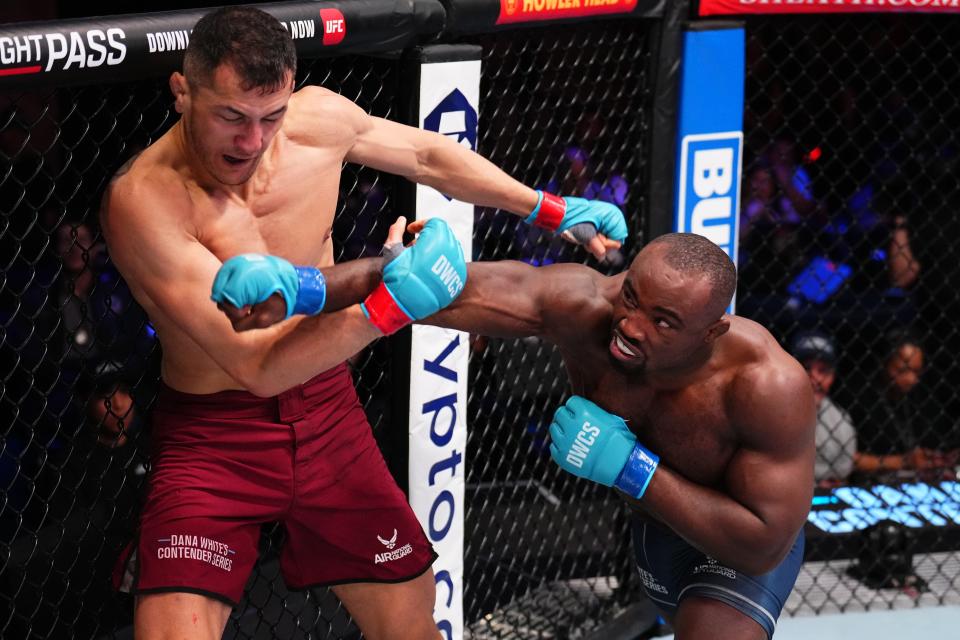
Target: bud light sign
710	187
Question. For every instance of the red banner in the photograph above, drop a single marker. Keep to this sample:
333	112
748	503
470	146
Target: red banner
740	7
531	10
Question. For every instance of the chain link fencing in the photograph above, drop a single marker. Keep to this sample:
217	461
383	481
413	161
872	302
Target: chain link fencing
848	229
79	361
547	555
853	238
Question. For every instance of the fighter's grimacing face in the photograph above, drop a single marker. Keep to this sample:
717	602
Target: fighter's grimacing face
228	127
661	317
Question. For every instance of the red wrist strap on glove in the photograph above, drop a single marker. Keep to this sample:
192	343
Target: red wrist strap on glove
384	312
552	210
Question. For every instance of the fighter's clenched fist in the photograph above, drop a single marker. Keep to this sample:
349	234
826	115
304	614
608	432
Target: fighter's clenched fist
417	282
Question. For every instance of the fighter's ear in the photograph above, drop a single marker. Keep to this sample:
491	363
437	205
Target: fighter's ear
180	90
717	329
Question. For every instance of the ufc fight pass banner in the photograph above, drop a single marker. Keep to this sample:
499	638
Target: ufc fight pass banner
129	47
449	93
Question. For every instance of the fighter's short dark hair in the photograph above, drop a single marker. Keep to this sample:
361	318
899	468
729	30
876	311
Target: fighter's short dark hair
692	253
252	41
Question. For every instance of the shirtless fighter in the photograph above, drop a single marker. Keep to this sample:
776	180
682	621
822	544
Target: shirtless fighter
706	426
245	431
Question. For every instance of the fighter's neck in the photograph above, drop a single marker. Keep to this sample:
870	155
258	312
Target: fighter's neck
699	366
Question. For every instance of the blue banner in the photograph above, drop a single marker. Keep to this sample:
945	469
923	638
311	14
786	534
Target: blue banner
710	136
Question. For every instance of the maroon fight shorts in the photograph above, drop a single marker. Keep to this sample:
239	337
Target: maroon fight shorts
225	463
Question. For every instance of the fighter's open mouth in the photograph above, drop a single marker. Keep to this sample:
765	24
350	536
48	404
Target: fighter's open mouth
623	350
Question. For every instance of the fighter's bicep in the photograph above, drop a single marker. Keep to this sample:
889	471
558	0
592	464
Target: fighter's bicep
773	486
173	271
772	472
388	146
513	299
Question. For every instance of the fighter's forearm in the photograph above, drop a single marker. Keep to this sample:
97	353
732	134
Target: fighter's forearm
349	283
458	172
291	354
500	299
715	523
270	361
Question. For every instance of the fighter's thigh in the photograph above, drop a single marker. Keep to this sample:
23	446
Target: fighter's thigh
163	616
388	611
705	618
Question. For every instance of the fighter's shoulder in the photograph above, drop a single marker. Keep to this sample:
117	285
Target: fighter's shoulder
145	185
577	291
151	172
580	281
317	116
761	368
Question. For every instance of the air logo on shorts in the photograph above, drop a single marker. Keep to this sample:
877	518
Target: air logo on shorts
391	543
191	547
390	556
580	448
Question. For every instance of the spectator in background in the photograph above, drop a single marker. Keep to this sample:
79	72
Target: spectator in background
893	421
902	265
873	236
90	317
82	349
577	177
835	437
111	410
574	176
76	316
765	206
772	247
933	228
792	179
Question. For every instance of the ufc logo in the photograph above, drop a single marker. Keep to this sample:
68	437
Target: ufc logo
334	26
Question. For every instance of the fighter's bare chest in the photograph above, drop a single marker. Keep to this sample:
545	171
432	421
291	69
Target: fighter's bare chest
289	214
687	428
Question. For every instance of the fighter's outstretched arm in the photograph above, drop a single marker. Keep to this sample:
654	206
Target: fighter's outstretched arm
510	299
437	161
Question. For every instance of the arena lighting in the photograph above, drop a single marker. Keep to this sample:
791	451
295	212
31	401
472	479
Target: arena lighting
813	155
916	504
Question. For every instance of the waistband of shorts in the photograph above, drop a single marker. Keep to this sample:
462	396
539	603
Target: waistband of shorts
242	401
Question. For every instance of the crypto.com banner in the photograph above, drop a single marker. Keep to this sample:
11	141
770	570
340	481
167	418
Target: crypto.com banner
743	7
448	97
